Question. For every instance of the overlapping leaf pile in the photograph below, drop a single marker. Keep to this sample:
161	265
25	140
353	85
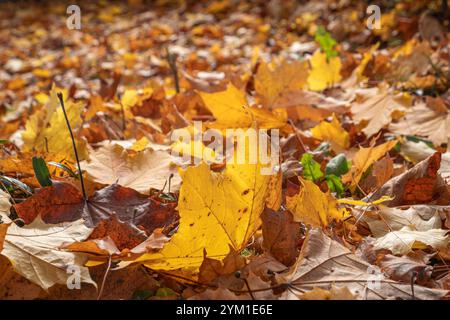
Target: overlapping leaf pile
357	207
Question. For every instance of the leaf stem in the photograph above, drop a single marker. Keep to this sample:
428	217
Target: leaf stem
61	101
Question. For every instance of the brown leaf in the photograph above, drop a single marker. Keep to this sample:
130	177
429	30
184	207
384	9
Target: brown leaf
63	202
324	262
281	235
406	268
420	184
381	172
426	122
212	269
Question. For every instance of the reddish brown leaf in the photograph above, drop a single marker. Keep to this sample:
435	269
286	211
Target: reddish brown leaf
281	235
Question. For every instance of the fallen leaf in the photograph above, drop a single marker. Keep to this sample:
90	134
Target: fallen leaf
377	110
324	263
363	159
420	184
333	133
423	121
5	205
312	206
406	239
418	217
62	202
407	268
281	235
217	210
211	269
46	130
273	84
145	170
418	151
324	72
35	251
381	172
230	109
332	294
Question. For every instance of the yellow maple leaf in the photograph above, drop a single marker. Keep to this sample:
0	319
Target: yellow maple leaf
46	130
271	85
231	110
333	133
324	73
217	211
312	206
363	159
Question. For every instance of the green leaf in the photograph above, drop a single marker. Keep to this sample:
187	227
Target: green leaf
337	166
326	42
335	184
41	172
3	141
311	168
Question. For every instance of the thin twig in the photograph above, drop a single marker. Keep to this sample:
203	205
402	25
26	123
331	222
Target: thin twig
122	110
61	101
249	290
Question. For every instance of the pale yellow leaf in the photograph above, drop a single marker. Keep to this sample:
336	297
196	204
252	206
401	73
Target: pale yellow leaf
406	239
35	251
142	171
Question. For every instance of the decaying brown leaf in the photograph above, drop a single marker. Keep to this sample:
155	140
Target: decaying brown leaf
324	262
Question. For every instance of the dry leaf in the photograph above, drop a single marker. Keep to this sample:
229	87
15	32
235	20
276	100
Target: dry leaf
272	86
425	122
312	206
418	217
404	240
333	133
363	159
324	262
5	205
377	110
46	130
420	184
35	251
217	210
280	235
324	72
230	109
145	170
332	294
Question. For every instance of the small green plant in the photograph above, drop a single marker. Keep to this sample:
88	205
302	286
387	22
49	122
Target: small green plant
326	42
